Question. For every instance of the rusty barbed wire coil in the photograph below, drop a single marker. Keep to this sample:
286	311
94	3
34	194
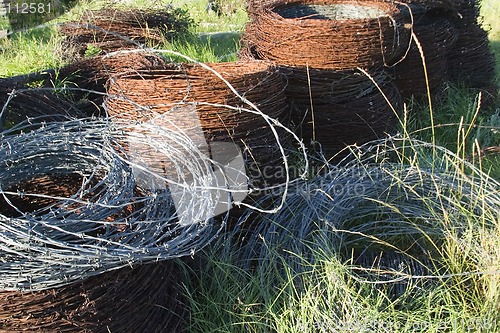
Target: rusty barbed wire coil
357	121
471	61
435	36
177	91
36	105
84	79
143	299
330	86
328	34
112	29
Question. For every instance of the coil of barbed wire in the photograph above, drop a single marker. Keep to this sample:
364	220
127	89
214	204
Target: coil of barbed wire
357	121
435	36
374	202
140	299
328	34
330	86
198	99
112	29
76	202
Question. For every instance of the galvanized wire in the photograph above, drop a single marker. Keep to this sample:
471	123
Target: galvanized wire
73	204
395	198
174	91
80	198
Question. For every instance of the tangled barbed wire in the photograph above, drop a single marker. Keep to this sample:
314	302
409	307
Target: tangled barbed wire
73	206
390	202
80	197
197	99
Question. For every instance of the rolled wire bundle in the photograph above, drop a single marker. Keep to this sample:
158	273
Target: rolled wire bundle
435	36
471	61
25	104
85	79
382	212
328	34
418	7
190	96
253	7
143	299
469	12
361	119
113	29
74	204
330	86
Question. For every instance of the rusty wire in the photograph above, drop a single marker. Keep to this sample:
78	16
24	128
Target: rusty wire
471	61
85	79
423	6
147	95
436	36
25	104
359	120
113	29
330	86
469	12
143	299
328	34
75	90
253	7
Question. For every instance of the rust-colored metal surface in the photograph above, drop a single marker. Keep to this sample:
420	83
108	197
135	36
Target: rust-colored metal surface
113	29
328	34
177	90
143	299
435	35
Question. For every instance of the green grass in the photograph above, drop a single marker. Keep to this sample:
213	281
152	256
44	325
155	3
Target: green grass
292	272
29	52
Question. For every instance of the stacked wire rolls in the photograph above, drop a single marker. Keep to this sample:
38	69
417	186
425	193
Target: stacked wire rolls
333	55
74	205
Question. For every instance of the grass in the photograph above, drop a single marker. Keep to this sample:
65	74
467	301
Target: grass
30	52
297	271
294	273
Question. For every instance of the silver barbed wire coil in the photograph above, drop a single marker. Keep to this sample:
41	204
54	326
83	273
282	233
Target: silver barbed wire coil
74	203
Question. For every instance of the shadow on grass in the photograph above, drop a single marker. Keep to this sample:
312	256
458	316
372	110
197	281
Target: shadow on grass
495	47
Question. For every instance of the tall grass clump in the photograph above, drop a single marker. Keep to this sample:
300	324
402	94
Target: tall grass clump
402	236
461	123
